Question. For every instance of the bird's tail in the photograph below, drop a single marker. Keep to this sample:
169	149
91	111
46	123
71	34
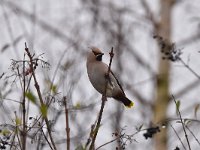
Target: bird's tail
128	103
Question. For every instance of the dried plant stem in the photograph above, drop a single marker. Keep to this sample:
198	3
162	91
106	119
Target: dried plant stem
107	143
24	110
46	139
104	98
189	68
128	137
98	122
67	123
183	125
178	137
193	134
40	96
17	131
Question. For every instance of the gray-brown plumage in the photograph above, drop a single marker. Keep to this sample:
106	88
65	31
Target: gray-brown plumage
97	71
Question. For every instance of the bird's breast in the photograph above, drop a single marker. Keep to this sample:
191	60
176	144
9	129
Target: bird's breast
98	80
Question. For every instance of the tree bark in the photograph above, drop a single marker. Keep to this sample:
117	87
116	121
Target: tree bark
162	91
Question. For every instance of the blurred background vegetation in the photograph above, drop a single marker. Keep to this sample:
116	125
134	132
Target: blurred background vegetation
59	33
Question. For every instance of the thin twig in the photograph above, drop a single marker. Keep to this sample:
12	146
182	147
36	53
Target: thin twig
24	109
46	138
179	113
121	136
108	142
17	131
149	12
98	122
32	67
91	134
178	136
178	119
104	98
189	68
67	122
193	134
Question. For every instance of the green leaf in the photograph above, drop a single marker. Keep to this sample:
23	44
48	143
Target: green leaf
54	89
5	132
78	105
18	121
31	97
43	110
178	103
196	108
52	86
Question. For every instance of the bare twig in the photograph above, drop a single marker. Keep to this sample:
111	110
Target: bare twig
178	137
178	119
117	138
104	98
123	135
23	132
149	12
32	67
107	143
9	28
67	122
183	125
46	139
17	131
189	68
193	134
24	109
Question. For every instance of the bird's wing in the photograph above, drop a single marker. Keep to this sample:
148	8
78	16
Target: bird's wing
117	81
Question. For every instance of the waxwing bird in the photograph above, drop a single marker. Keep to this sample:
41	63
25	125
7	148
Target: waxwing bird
97	71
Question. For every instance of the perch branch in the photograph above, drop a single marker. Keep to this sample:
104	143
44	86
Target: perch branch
104	98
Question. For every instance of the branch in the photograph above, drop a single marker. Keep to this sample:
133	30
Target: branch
107	143
149	12
67	123
179	113
33	67
24	109
193	134
189	68
178	137
121	136
104	99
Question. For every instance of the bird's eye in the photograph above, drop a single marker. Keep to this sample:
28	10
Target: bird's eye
99	57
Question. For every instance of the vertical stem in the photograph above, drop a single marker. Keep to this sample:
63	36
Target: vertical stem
98	122
183	125
24	109
162	91
40	95
67	123
104	99
178	137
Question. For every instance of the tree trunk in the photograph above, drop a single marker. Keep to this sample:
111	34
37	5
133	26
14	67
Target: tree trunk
162	98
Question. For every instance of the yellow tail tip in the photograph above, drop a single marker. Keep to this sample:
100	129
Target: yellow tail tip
130	105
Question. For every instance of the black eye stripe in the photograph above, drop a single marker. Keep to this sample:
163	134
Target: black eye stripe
99	57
